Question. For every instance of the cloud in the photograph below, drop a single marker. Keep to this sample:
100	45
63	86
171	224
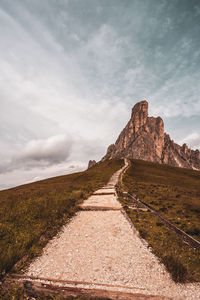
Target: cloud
178	96
40	153
192	140
52	150
16	177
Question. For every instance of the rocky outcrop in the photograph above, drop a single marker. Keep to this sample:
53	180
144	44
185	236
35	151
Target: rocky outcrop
91	163
144	138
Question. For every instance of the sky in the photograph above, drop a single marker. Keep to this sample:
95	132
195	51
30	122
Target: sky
71	71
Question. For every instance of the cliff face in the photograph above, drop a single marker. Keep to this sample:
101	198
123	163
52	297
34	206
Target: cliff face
144	138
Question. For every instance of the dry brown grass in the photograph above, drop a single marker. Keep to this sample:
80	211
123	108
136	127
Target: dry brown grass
175	194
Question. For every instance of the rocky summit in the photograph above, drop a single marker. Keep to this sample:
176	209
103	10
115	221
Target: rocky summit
144	138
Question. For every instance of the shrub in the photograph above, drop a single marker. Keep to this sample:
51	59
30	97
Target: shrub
159	224
177	270
143	233
194	231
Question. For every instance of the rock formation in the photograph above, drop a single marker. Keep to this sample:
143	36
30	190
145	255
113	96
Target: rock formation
144	138
91	163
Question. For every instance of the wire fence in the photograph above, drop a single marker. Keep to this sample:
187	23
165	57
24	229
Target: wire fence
186	237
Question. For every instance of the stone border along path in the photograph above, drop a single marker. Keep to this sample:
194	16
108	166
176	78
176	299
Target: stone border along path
100	249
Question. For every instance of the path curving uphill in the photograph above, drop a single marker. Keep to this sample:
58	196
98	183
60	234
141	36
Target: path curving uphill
100	250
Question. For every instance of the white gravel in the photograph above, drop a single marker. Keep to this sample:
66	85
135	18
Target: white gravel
102	247
107	201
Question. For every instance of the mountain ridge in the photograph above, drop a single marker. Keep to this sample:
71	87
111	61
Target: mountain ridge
144	138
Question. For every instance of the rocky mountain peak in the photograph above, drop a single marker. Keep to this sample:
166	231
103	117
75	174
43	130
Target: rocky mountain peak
140	114
144	138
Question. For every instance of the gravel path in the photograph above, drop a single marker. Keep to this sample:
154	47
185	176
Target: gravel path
102	247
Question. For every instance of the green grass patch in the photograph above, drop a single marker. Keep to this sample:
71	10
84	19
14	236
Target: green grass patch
32	214
175	194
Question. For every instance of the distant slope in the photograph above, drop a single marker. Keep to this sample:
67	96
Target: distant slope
31	214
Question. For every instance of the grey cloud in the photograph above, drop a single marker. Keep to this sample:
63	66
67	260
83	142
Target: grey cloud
16	177
40	153
193	140
52	150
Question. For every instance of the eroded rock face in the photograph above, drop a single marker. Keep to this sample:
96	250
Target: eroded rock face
144	138
91	163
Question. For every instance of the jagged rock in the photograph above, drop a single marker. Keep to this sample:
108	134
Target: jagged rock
91	163
144	138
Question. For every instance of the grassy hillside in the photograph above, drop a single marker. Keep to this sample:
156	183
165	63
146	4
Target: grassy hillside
31	214
175	194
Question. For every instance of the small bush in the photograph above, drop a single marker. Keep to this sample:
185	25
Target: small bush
177	270
154	203
143	233
125	207
194	231
163	209
159	224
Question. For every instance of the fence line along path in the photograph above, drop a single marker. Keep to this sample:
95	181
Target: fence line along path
99	249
